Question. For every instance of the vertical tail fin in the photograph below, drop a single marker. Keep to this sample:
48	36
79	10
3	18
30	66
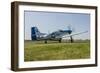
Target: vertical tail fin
34	33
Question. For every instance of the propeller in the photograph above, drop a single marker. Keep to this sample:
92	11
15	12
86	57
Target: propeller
70	28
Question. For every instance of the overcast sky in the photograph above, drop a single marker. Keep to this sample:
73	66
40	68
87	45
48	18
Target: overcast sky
48	22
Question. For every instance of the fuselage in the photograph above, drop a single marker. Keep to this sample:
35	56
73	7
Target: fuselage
37	35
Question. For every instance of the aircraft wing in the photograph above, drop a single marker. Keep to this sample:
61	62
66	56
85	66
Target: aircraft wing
75	34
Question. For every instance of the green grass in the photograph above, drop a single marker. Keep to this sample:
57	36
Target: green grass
38	51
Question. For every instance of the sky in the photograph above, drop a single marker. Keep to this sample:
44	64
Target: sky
48	22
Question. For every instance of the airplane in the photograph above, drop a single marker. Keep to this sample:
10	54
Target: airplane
55	36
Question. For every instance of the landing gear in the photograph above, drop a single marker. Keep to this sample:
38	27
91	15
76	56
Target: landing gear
60	40
71	39
45	41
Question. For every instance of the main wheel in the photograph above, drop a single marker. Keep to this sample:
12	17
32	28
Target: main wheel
60	40
45	41
71	39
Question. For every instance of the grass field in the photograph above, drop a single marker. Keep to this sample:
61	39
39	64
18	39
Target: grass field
38	51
